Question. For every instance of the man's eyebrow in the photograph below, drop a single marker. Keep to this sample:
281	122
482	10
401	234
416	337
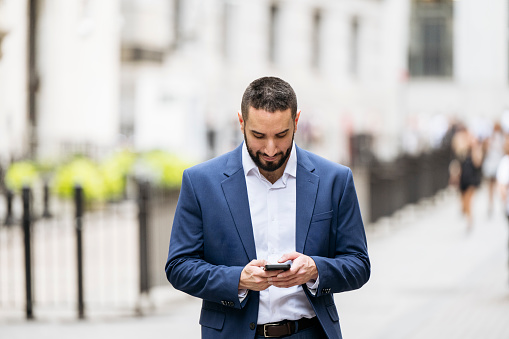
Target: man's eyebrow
256	132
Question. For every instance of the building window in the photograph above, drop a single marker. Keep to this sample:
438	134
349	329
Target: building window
431	38
273	27
316	44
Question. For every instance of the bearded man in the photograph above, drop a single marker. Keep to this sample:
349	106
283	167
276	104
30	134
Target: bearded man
268	202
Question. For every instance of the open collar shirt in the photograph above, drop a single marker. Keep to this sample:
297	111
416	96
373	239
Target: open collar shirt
273	211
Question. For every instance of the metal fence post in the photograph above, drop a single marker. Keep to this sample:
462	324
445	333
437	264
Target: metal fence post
28	252
78	199
143	216
46	213
9	220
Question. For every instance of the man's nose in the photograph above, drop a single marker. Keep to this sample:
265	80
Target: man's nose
270	148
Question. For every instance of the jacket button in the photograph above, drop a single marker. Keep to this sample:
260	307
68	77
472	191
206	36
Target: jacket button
252	326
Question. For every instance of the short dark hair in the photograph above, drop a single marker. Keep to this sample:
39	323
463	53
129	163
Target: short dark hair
271	94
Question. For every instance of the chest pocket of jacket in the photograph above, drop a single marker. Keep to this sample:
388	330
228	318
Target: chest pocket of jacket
321	216
212	318
317	241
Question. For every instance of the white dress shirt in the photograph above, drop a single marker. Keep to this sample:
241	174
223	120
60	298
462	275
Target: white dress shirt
273	211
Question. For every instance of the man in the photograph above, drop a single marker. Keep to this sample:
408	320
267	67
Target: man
268	201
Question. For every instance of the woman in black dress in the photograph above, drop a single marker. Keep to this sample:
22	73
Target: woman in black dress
468	151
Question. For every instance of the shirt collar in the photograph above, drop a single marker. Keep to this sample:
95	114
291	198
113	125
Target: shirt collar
250	167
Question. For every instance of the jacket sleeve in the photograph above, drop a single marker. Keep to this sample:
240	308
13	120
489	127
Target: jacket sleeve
349	267
185	267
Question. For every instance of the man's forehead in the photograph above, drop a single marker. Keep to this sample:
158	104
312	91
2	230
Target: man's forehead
263	110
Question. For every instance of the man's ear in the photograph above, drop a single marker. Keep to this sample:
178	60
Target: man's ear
297	116
241	121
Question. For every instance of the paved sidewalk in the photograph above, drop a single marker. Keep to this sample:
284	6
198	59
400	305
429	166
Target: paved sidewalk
433	279
430	279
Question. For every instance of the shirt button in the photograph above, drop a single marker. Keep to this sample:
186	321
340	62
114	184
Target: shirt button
252	326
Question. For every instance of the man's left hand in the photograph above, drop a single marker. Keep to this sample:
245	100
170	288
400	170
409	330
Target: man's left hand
303	270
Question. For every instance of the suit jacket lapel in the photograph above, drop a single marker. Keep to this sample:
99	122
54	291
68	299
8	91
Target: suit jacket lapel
307	188
235	191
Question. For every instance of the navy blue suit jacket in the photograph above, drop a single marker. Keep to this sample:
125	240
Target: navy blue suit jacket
212	240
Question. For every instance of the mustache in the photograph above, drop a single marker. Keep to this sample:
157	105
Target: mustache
258	153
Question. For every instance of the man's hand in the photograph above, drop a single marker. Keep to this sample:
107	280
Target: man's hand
303	270
254	277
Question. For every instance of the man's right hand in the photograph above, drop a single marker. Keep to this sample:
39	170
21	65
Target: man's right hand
254	277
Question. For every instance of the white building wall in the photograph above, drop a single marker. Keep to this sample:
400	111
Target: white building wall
479	86
13	81
481	42
78	49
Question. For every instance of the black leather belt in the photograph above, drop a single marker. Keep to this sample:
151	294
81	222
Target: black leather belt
285	327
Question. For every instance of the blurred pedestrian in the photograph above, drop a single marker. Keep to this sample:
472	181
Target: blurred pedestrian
469	155
268	201
494	151
503	178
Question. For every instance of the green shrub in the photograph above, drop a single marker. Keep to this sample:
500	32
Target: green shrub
84	172
115	170
19	174
100	182
166	168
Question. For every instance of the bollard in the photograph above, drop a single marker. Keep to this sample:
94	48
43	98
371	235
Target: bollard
78	200
9	220
28	252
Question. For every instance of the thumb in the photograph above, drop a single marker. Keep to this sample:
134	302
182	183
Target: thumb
258	262
289	256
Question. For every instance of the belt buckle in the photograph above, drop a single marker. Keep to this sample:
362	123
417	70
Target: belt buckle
265	331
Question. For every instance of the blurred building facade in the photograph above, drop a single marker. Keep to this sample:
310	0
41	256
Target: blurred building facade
13	79
170	74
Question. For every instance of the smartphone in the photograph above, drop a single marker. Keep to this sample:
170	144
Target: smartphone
277	267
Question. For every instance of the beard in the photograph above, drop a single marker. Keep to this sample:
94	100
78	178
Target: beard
268	166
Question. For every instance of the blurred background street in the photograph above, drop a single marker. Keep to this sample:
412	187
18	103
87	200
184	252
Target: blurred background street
431	278
103	104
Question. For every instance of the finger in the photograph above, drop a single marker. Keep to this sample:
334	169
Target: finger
269	274
286	284
281	279
286	274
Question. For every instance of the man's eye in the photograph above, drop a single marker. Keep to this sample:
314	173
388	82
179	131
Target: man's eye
282	135
257	136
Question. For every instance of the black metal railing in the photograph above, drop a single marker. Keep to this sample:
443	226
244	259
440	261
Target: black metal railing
80	257
406	180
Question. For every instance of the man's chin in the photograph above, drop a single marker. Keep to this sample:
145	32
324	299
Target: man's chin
269	168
